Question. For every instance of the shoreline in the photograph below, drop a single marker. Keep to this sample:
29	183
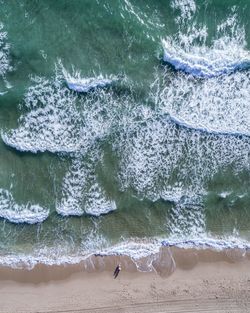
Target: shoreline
201	281
164	264
140	252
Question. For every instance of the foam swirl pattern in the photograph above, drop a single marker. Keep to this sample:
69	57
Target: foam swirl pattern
218	105
60	122
158	147
81	191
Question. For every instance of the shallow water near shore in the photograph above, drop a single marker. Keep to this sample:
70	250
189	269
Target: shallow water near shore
125	127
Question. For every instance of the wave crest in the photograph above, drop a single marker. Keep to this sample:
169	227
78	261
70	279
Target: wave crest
226	54
16	213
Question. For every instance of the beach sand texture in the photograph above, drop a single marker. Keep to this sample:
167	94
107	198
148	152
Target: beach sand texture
217	284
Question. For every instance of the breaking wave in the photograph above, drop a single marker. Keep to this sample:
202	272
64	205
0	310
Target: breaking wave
77	83
51	123
190	52
20	213
58	121
218	105
222	58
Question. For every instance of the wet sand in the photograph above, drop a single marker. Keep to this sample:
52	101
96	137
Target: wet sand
201	281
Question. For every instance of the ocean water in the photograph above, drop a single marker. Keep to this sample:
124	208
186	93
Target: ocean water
125	126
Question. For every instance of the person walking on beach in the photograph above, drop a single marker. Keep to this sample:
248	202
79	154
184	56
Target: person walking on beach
117	270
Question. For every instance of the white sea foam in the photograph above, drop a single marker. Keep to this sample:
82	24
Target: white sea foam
20	213
148	21
226	54
218	105
87	84
136	249
158	154
142	252
187	218
81	191
52	124
224	57
225	194
46	256
4	52
208	242
76	82
187	8
60	122
173	193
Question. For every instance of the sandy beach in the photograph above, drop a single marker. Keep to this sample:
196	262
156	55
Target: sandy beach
217	283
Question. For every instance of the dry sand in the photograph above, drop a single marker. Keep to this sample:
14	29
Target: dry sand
220	285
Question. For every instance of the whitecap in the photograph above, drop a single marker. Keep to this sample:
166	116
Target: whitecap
190	52
76	82
20	213
222	58
87	84
57	121
219	105
51	123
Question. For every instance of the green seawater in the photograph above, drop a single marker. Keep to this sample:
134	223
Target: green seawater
167	181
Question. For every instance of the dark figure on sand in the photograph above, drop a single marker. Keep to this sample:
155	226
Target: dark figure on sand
117	270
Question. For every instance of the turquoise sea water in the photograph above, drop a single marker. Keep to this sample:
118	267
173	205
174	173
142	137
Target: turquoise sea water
160	153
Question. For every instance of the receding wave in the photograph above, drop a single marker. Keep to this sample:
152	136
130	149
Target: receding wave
20	213
142	255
